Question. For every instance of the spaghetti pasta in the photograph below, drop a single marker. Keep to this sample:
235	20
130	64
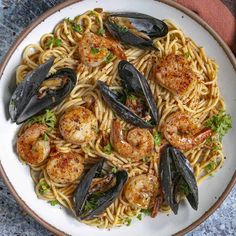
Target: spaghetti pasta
202	102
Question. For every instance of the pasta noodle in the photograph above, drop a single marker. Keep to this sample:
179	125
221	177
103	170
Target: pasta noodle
203	102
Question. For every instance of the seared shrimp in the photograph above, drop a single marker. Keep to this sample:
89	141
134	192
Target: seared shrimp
141	191
139	143
94	49
183	133
78	125
175	74
31	146
65	168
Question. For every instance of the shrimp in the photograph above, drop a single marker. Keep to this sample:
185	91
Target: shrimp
65	168
94	49
139	143
31	146
174	73
141	191
78	125
183	133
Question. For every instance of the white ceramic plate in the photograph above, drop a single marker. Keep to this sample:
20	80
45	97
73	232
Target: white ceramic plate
18	177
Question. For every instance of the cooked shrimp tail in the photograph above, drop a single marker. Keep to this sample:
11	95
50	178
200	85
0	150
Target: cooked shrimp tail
139	143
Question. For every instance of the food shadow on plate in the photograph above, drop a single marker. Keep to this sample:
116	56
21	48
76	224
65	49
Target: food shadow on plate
10	87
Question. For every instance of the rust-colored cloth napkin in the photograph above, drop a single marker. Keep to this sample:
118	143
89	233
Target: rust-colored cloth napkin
219	14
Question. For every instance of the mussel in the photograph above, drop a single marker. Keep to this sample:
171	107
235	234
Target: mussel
38	92
134	83
97	191
135	28
177	178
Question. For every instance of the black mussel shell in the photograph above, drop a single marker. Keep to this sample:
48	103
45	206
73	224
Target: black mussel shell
166	179
186	171
146	24
175	170
134	82
119	108
104	200
26	89
31	102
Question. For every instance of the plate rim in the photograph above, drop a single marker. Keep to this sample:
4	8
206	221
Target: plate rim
67	3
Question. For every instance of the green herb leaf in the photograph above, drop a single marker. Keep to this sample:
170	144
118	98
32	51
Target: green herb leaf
157	138
91	202
132	97
146	212
114	169
89	205
77	28
183	187
186	55
122	29
45	137
128	221
220	123
216	148
43	187
139	216
54	202
101	31
109	57
94	50
48	118
108	149
54	41
211	166
57	42
68	20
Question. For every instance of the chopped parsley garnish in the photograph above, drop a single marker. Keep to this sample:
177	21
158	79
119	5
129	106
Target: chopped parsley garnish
89	205
54	202
109	57
91	202
54	42
139	216
220	123
186	55
114	169
108	149
48	118
45	137
216	148
209	167
101	31
43	187
132	97
122	29
157	138
77	28
183	187
128	221
146	212
94	50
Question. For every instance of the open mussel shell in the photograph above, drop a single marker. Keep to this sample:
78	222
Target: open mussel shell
26	89
119	108
59	85
184	168
174	171
134	82
104	200
145	24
